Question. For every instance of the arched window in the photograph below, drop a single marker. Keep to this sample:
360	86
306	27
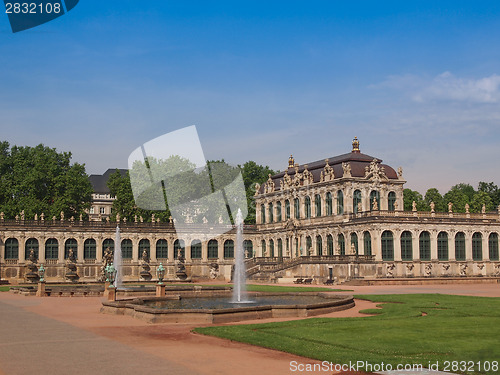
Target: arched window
374	195
162	249
308	245
442	245
424	246
307	207
368	243
296	208
213	249
278	211
144	246
271	248
89	249
280	248
108	243
356	201
11	248
406	246
391	200
248	248
477	246
70	245
329	204
341	244
51	249
126	248
317	204
340	202
262	214
263	247
460	246
228	249
179	245
319	245
31	244
195	249
493	246
271	213
354	241
329	244
387	245
287	209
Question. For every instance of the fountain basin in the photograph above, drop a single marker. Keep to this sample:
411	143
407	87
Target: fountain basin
274	305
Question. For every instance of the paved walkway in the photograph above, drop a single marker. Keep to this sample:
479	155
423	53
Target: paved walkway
69	336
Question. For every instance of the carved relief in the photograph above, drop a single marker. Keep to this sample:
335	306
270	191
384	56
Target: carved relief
328	173
347	170
375	172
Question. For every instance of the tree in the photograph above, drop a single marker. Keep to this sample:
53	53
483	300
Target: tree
410	196
458	197
433	195
481	198
41	180
492	190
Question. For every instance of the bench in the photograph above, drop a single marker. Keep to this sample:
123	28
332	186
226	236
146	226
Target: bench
298	281
308	281
328	282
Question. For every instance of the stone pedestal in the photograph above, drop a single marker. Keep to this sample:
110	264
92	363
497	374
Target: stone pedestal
111	293
160	290
40	292
106	287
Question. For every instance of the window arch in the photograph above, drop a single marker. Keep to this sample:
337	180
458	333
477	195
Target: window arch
248	248
354	241
278	211
144	246
340	202
341	241
424	246
307	207
374	195
406	246
31	244
319	245
271	213
493	246
329	204
280	248
126	248
309	248
460	246
368	243
89	249
477	246
262	214
162	249
296	208
329	244
228	249
287	209
11	248
271	248
51	249
179	245
213	249
356	200
391	201
442	246
108	243
387	245
317	204
195	249
70	245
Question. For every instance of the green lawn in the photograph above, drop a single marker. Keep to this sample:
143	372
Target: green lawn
411	329
4	288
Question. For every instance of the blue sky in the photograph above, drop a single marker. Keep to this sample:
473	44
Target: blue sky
418	84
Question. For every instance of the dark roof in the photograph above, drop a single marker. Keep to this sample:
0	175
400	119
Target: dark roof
100	181
356	160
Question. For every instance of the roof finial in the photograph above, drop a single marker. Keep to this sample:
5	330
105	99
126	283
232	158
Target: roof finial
291	162
355	145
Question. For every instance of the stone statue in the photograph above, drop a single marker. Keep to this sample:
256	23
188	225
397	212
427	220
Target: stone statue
353	249
62	216
389	271
400	172
498	209
483	209
153	218
145	257
396	206
450	207
135	218
2	215
22	215
428	269
36	217
81	217
467	208
141	219
107	219
347	169
359	207
433	206
414	206
375	204
42	216
117	218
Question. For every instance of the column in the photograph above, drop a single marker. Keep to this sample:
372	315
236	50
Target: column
485	245
433	239
451	246
204	251
397	246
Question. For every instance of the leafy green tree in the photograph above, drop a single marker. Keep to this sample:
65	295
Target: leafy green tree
458	197
492	190
41	180
433	195
410	196
479	199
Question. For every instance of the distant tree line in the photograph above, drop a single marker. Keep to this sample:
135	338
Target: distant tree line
487	194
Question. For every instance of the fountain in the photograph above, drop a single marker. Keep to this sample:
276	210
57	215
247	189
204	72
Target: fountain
239	277
117	258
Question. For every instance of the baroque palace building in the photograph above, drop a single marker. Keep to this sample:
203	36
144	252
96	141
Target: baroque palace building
340	219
